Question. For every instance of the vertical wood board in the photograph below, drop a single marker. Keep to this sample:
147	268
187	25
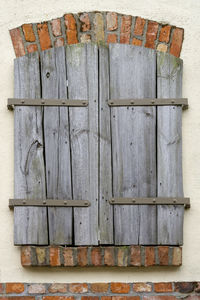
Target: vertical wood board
30	223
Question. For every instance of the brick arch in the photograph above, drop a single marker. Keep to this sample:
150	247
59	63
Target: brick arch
108	27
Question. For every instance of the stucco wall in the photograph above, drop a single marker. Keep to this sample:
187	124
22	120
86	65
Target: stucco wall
181	13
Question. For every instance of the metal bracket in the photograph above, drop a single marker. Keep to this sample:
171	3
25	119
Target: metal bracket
149	102
151	201
45	102
48	202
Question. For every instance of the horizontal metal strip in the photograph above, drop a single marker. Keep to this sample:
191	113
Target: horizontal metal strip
48	202
149	102
45	102
151	201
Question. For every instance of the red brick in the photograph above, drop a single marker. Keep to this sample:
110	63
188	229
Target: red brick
163	255
109	256
125	29
99	287
167	297
36	289
16	288
139	26
163	287
32	48
89	298
54	254
57	298
112	21
165	33
177	256
149	256
82	256
28	32
26	256
68	257
106	298
151	34
85	22
44	37
1	288
176	43
111	38
56	27
96	256
59	42
57	288
136	42
71	31
120	288
17	41
79	288
142	287
135	259
184	287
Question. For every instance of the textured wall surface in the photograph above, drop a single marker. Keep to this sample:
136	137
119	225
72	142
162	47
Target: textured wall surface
182	14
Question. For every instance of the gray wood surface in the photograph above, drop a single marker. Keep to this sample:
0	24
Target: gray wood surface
82	73
105	164
30	223
169	150
57	146
133	75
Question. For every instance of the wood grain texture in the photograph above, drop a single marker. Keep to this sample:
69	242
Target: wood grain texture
169	150
82	72
30	223
133	75
57	145
105	161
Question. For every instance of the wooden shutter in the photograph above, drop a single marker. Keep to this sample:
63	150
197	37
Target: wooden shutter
98	152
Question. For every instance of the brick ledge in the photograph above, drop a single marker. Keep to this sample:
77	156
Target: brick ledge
109	256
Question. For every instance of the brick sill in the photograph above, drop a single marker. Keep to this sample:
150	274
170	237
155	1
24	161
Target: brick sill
107	256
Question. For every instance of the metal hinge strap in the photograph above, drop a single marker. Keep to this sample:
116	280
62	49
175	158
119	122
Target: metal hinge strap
151	201
48	202
150	102
45	102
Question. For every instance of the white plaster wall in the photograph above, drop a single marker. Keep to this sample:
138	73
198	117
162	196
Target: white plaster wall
181	13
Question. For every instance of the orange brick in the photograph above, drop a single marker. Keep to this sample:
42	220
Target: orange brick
151	34
85	22
89	298
79	288
82	256
16	288
165	33
163	255
119	288
44	37
96	256
99	287
54	254
56	27
135	256
125	298
149	256
17	41
139	26
111	38
125	29
136	42
162	47
32	48
71	32
142	287
176	43
28	32
109	256
163	287
26	256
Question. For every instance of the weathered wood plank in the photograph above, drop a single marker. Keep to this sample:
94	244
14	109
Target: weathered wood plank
57	146
105	164
169	149
133	74
82	72
30	223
